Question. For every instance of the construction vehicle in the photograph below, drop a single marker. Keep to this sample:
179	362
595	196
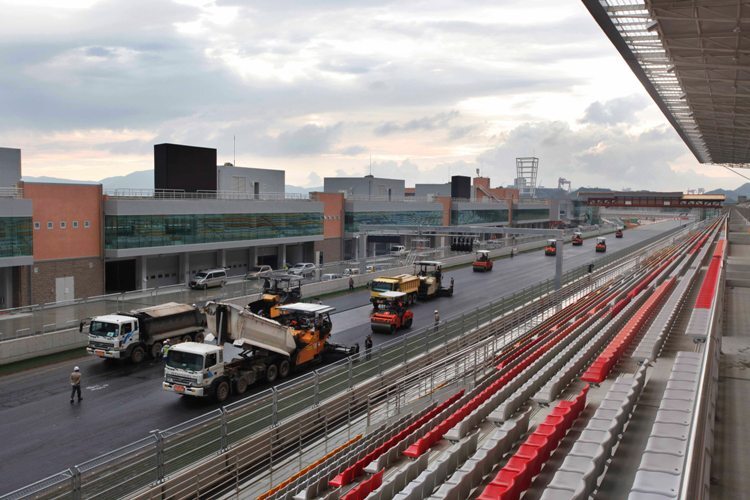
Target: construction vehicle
406	283
577	240
601	244
618	233
483	263
391	313
430	273
551	248
278	289
132	335
269	349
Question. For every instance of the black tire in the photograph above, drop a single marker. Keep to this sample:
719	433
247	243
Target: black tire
240	385
156	350
284	368
137	354
221	391
199	337
272	373
393	329
408	323
187	338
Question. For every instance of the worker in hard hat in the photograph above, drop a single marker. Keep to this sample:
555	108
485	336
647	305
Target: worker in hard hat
165	349
75	384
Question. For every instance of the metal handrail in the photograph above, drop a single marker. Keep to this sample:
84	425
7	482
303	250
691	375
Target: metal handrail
537	297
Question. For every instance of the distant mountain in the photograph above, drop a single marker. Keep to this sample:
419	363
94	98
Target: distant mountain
302	190
55	180
140	179
743	190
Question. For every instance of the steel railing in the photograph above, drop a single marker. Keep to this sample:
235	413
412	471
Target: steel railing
164	452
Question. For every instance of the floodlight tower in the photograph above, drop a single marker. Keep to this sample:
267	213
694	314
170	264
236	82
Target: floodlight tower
526	172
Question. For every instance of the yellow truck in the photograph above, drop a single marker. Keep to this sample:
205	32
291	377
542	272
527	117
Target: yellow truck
406	283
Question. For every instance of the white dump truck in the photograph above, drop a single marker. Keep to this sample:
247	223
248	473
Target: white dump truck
132	335
271	349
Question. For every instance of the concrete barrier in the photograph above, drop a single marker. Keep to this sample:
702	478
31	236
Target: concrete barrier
40	345
59	341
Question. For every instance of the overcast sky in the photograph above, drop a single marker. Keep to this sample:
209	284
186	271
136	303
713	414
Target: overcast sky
317	88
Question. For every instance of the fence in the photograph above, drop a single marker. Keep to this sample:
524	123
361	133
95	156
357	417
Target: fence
58	316
258	432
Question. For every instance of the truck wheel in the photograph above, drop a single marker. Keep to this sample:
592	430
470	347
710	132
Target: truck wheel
221	393
240	385
272	373
186	338
393	329
408	323
199	337
156	350
137	354
284	368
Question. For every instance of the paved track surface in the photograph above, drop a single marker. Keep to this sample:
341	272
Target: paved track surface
42	434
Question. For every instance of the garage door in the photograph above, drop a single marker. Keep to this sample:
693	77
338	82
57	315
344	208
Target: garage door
162	271
237	261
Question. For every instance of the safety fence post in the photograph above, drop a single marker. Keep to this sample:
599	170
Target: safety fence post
316	396
349	370
75	477
275	407
224	430
159	454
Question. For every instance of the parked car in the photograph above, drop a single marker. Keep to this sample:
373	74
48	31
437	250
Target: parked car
258	272
351	271
209	279
398	250
330	276
304	269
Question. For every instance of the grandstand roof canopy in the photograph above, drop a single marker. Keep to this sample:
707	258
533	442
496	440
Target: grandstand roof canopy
693	58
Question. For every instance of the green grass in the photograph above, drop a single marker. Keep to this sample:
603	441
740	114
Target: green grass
28	364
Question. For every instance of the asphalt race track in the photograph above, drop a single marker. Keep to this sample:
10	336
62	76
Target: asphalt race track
42	434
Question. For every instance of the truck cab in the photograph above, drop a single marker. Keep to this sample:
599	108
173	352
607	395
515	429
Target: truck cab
111	335
192	368
551	248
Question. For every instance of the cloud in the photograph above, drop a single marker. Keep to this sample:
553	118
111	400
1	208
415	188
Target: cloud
306	140
353	150
620	110
440	120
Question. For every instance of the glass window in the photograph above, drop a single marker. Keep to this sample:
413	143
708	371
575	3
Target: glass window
210	360
15	236
460	217
137	231
75	224
352	220
86	224
50	224
37	225
63	224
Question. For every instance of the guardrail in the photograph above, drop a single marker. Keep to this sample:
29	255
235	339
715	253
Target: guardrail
267	415
52	317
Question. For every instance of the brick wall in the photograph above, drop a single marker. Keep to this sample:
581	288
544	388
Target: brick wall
332	249
88	276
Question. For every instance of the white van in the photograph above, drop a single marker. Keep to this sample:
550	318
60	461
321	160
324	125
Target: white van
398	250
209	279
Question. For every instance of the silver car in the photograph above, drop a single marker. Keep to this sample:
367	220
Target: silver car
258	272
304	269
